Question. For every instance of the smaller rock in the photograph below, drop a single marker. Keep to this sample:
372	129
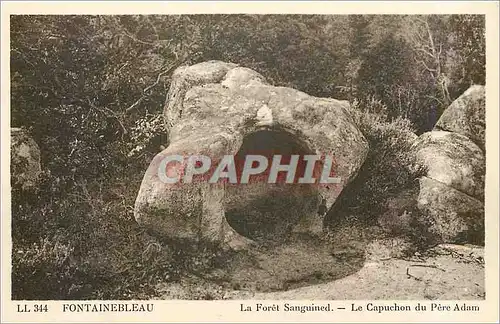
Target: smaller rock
25	160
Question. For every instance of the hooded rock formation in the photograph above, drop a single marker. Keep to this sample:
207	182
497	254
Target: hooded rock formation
216	109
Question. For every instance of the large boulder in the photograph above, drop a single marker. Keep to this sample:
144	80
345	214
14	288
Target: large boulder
451	194
216	109
454	216
454	160
25	160
466	115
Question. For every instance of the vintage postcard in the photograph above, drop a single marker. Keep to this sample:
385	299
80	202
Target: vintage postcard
249	162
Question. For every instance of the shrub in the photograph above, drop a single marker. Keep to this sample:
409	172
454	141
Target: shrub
86	245
43	270
148	134
388	169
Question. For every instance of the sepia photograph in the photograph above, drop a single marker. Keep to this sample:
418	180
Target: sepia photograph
248	157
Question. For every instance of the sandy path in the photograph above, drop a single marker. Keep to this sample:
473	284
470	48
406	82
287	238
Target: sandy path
454	272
